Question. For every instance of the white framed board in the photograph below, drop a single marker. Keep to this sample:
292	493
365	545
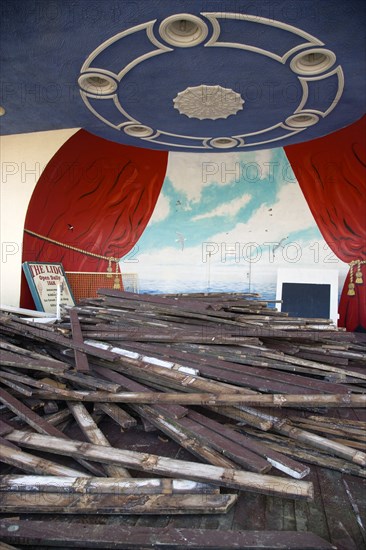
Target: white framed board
49	286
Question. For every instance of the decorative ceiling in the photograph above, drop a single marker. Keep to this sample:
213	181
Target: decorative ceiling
184	75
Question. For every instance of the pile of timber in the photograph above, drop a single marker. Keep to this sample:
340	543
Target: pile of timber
254	395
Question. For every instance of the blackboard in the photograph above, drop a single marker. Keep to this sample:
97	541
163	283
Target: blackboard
307	300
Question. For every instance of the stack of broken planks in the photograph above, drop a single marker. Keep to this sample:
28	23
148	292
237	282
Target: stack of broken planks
253	395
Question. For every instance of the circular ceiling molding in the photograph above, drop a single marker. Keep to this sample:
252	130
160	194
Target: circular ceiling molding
183	30
208	102
138	130
314	61
223	142
97	83
302	120
306	63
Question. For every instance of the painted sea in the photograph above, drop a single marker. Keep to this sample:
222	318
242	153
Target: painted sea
265	291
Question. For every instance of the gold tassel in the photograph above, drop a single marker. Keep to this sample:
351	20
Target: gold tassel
359	279
117	284
109	269
351	289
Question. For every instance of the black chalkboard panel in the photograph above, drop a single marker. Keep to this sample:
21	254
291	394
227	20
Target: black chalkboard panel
306	300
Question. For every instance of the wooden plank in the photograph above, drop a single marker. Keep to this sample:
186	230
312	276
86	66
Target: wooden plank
17	361
229	448
40	424
316	520
131	385
81	359
277	460
118	414
5	428
332	447
185	437
40	333
77	378
23	353
101	485
210	399
235	479
45	533
310	455
7	444
33	464
17	386
356	496
95	435
98	503
343	527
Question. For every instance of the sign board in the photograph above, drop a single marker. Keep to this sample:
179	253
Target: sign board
46	282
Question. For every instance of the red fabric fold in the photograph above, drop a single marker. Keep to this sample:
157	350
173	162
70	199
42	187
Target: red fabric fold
331	172
94	195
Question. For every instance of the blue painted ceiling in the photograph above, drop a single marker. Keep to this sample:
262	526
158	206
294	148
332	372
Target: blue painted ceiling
245	60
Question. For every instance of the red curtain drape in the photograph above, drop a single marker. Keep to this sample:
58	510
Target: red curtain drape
331	172
94	195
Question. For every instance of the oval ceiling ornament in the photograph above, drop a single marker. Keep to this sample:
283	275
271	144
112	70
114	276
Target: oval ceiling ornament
208	102
302	60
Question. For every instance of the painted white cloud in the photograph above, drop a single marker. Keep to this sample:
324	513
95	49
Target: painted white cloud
288	214
230	208
161	210
190	173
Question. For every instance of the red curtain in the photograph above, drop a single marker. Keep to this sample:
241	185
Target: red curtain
331	172
94	195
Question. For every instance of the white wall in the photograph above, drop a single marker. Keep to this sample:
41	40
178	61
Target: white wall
23	158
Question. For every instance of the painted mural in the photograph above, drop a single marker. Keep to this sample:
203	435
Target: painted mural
205	222
227	222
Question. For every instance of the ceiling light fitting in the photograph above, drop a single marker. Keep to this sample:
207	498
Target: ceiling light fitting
223	142
138	130
302	120
183	30
312	62
97	83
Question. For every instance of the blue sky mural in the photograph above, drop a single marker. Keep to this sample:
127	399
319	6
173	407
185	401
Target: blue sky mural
227	222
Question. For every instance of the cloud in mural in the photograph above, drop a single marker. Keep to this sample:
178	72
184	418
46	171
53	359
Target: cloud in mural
161	210
230	208
190	173
273	222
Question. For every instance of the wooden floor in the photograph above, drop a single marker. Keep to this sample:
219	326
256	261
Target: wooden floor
337	514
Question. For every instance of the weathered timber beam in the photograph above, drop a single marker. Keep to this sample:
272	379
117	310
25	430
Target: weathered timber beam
38	333
332	447
119	415
81	358
103	485
94	503
40	424
276	459
95	435
235	479
118	537
34	464
311	456
209	399
177	411
188	439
